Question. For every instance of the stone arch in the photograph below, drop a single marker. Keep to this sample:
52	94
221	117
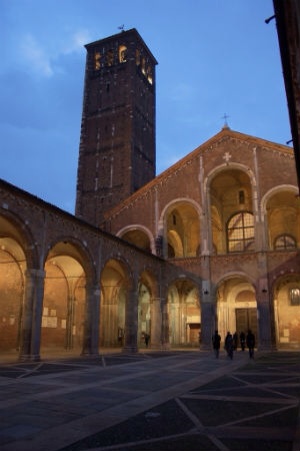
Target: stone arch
116	285
236	305
138	235
68	268
229	189
18	252
287	310
148	316
184	313
281	210
180	227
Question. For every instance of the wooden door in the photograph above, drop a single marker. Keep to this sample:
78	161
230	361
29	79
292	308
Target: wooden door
246	318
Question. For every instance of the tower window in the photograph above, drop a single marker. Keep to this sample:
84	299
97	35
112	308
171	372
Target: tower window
97	60
240	232
149	75
122	54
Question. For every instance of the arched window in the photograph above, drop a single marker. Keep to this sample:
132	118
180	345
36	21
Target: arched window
283	242
122	54
240	232
97	61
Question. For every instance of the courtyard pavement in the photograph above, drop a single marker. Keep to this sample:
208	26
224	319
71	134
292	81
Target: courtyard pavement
177	400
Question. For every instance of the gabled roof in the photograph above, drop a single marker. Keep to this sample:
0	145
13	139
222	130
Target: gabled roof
225	132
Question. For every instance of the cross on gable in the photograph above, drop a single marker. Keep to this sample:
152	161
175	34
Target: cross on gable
227	157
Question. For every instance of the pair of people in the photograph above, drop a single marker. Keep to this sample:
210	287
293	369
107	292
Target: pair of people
229	344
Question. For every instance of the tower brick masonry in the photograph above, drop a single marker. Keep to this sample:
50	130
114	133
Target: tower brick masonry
117	145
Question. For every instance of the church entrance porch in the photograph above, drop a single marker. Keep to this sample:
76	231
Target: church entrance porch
246	318
236	309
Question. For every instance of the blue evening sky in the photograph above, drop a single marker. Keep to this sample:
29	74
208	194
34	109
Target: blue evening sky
215	57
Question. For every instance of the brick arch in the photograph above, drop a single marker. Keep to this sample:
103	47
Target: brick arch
76	249
68	270
19	230
282	216
225	167
115	283
181	236
184	312
275	190
235	308
286	310
149	279
141	229
217	213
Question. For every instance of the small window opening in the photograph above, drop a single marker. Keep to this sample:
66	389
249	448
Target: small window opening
174	220
295	296
122	54
241	197
97	60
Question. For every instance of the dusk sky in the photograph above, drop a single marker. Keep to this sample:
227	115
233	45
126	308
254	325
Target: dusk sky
214	57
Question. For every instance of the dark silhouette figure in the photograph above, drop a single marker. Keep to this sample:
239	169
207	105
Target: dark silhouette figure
216	339
250	340
243	340
235	340
229	345
147	338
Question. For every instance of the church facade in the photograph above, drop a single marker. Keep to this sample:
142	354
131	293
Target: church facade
211	243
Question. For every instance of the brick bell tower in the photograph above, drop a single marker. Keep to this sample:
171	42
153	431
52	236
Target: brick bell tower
117	144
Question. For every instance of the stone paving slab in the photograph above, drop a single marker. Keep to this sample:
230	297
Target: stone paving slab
166	401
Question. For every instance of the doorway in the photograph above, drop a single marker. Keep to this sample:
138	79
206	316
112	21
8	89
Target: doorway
246	318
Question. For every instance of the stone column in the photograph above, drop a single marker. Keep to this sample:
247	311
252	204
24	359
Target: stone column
91	321
131	322
266	339
266	327
207	322
32	315
156	323
165	326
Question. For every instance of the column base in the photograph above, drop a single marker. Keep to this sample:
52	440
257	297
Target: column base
130	349
29	358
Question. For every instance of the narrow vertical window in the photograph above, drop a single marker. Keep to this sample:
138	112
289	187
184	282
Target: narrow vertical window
122	54
97	61
241	197
295	296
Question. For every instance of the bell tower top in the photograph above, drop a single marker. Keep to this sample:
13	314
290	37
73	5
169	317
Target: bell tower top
117	144
121	48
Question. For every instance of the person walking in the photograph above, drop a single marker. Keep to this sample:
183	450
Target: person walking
235	340
250	340
216	339
229	345
243	340
147	338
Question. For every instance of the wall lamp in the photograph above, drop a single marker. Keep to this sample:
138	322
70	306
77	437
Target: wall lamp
264	290
205	291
